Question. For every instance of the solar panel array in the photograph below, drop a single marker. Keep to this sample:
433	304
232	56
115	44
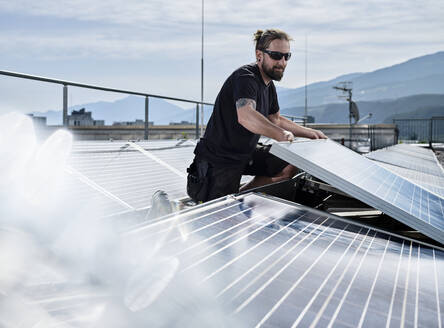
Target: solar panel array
425	172
122	176
409	157
125	175
248	261
430	182
368	182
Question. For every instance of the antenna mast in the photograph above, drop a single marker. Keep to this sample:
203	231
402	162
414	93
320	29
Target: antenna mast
347	87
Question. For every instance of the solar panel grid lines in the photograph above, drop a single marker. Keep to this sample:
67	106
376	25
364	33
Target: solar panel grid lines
372	312
281	246
430	182
108	163
256	229
365	181
253	280
82	192
394	287
339	306
408	158
415	152
219	241
97	187
273	279
132	173
217	221
346	220
133	178
157	160
274	264
202	210
425	159
437	290
419	152
291	289
84	145
404	303
307	258
417	286
318	291
361	320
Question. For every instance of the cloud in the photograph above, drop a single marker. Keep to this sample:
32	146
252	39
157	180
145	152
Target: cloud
149	14
137	28
80	39
99	45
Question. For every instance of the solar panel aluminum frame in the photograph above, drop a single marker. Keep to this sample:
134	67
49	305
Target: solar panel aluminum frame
282	151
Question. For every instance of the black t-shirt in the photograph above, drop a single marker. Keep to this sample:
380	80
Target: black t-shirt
226	141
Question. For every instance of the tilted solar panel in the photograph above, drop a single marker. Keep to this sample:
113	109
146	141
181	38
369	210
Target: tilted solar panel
430	182
368	182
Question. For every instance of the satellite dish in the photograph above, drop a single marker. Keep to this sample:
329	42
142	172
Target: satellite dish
354	111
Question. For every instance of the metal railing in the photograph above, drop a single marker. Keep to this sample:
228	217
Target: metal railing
378	139
65	85
421	130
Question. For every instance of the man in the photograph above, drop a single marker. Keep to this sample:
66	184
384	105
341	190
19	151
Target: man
245	108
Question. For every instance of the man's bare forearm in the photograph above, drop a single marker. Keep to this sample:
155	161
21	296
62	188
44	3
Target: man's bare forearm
296	129
255	122
259	124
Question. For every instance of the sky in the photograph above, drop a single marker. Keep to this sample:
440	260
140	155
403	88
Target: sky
154	46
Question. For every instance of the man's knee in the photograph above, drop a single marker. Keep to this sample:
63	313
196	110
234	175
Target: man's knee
287	172
207	182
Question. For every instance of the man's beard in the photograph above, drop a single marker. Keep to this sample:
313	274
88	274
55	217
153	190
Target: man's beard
272	72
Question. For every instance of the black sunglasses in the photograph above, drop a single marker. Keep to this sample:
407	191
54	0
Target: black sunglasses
276	55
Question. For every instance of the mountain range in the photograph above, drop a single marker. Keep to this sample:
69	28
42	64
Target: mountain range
421	75
413	87
383	111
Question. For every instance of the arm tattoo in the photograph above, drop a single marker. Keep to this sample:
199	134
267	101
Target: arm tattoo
245	101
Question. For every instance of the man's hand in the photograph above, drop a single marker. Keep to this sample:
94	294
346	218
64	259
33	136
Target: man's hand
287	136
315	134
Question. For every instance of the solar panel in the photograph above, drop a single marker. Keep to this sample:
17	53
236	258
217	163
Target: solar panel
410	157
80	191
130	173
430	182
368	182
413	150
117	145
245	261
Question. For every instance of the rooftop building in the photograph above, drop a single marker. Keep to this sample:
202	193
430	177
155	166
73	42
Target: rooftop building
83	118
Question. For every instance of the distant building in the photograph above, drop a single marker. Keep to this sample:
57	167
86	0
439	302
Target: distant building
83	118
182	123
133	123
39	121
